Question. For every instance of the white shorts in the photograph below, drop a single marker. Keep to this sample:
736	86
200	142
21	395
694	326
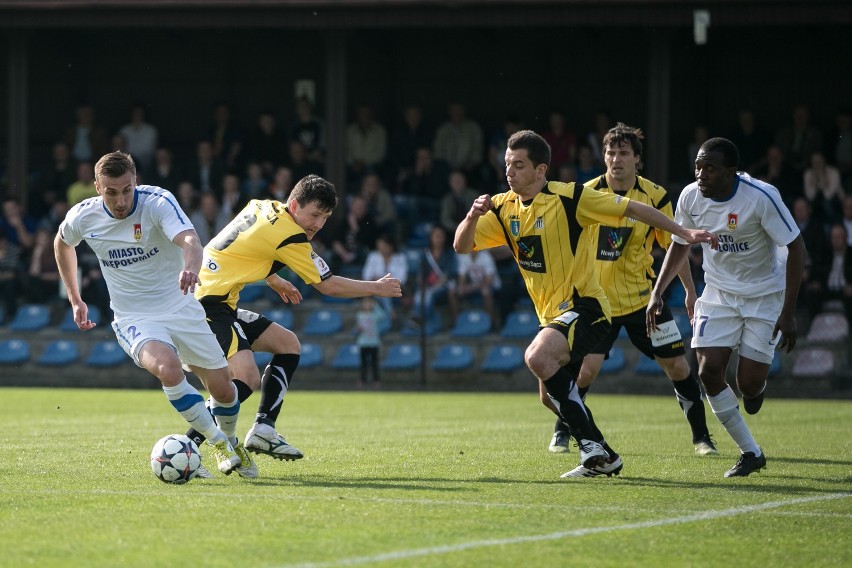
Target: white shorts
186	331
727	320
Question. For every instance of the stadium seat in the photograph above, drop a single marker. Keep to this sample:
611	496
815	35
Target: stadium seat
675	295
681	318
520	324
775	366
252	292
335	300
348	356
67	323
472	323
261	359
281	316
58	353
312	356
106	354
828	327
323	322
647	366
615	362
432	326
453	358
419	237
503	359
14	352
813	363
31	317
402	356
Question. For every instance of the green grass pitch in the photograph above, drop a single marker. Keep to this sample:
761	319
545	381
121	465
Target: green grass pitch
420	479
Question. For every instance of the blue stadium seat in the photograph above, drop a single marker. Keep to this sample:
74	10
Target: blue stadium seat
453	358
775	366
419	237
281	316
503	359
67	323
347	357
14	352
682	320
520	324
312	356
58	353
335	300
615	362
31	317
106	354
432	326
647	366
675	296
253	292
402	356
323	322
261	359
472	323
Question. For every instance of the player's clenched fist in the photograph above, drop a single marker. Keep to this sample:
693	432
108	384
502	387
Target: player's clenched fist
481	206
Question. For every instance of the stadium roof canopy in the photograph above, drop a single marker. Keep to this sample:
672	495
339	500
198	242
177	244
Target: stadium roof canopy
358	14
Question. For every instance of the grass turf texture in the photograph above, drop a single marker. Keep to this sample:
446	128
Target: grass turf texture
392	479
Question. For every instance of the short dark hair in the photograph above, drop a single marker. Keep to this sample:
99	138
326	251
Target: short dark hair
314	189
537	147
730	154
115	165
623	134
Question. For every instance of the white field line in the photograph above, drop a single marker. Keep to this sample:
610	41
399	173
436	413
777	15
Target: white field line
705	516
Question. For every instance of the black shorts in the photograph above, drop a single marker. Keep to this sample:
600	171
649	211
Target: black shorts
235	330
669	344
584	326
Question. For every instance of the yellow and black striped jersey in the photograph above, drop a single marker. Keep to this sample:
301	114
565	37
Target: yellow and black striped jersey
261	240
551	242
623	249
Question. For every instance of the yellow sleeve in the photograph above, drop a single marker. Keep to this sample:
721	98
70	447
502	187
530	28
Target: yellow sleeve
301	259
599	207
489	232
665	237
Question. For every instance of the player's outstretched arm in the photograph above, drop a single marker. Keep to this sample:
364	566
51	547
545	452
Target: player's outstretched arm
284	288
192	255
675	257
464	239
386	287
786	323
66	261
653	217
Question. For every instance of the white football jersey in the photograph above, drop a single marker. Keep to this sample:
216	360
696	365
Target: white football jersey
137	257
751	225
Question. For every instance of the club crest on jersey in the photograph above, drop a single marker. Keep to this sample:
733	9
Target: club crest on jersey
515	227
137	231
539	223
732	221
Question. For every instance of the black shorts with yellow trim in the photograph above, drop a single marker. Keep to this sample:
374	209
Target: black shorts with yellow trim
584	326
669	342
235	330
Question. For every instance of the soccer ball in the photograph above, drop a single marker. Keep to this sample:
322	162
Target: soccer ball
175	459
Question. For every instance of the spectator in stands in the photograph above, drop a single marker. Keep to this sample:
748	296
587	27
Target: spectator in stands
594	139
699	136
226	137
281	184
86	139
366	146
267	143
439	277
300	163
379	203
847	216
587	166
209	219
385	259
426	187
494	172
562	140
52	184
368	321
19	227
822	188
206	173
478	278
10	268
232	200
309	131
53	217
459	142
841	152
813	234
42	281
751	140
456	203
832	279
775	171
84	187
799	139
412	134
566	173
254	184
141	137
356	236
187	197
164	173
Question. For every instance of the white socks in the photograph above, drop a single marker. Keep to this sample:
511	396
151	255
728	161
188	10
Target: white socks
726	408
226	414
189	403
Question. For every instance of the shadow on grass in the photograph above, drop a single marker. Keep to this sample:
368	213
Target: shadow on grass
739	484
